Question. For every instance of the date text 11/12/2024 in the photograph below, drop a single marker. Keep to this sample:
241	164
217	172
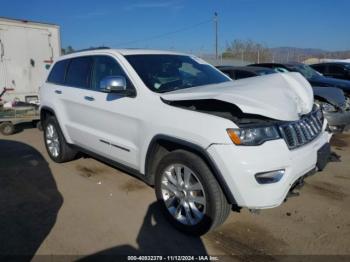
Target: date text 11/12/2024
173	258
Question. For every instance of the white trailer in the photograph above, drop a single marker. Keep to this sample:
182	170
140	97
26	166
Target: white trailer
27	49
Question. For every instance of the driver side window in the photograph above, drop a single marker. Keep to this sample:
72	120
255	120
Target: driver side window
105	66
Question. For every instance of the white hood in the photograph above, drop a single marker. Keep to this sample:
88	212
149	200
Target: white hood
279	96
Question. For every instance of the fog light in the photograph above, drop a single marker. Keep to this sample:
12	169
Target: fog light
269	177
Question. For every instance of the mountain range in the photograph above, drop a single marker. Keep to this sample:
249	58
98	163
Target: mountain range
309	52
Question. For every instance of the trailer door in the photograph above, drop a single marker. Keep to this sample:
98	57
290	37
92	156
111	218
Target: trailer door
26	53
14	53
2	63
40	56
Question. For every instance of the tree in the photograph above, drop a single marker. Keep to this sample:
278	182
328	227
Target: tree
247	50
69	49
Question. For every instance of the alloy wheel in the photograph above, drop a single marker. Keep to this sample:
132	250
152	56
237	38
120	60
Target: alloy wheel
52	140
183	194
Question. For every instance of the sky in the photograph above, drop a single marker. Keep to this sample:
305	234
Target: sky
187	25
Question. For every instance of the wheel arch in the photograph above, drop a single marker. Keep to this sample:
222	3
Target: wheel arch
160	145
46	111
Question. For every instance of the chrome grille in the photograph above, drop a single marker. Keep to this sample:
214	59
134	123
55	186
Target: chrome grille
303	131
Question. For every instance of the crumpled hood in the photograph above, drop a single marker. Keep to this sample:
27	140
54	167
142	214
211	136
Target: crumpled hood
279	96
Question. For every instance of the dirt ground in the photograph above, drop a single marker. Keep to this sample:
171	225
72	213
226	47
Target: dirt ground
85	207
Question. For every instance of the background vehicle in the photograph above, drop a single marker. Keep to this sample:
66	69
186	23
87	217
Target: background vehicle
315	78
339	70
15	113
9	118
335	106
27	49
240	72
208	144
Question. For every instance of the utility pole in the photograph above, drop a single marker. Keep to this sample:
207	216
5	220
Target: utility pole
216	35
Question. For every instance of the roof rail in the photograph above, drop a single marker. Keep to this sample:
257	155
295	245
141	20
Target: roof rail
91	49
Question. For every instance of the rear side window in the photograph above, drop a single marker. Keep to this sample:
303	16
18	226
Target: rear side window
58	72
79	72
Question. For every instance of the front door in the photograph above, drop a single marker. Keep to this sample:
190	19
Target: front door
104	123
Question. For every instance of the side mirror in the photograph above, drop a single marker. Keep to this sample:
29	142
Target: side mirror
113	84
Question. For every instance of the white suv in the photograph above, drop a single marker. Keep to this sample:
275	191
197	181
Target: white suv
207	144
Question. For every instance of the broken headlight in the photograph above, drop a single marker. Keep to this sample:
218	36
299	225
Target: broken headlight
253	136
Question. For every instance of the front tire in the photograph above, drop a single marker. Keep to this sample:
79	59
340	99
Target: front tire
57	147
189	194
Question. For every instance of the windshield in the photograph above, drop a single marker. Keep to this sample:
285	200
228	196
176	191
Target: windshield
165	73
306	71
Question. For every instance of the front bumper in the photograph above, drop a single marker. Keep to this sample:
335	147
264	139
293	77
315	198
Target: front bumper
239	164
337	121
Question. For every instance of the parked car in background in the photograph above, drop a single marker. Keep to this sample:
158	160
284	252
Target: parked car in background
315	78
339	70
206	143
334	104
240	72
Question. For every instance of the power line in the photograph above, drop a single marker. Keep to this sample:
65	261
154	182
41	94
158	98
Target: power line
165	34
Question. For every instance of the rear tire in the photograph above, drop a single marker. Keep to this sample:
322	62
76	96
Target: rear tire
196	208
57	147
7	128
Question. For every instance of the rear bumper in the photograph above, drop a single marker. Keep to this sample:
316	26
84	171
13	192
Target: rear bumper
239	165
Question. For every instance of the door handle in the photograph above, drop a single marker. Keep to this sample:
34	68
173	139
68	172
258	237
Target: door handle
89	98
58	92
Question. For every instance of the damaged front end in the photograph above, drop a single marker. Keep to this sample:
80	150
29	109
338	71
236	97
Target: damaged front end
282	97
277	107
254	129
280	107
221	109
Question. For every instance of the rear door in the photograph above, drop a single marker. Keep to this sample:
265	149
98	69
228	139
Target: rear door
73	106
